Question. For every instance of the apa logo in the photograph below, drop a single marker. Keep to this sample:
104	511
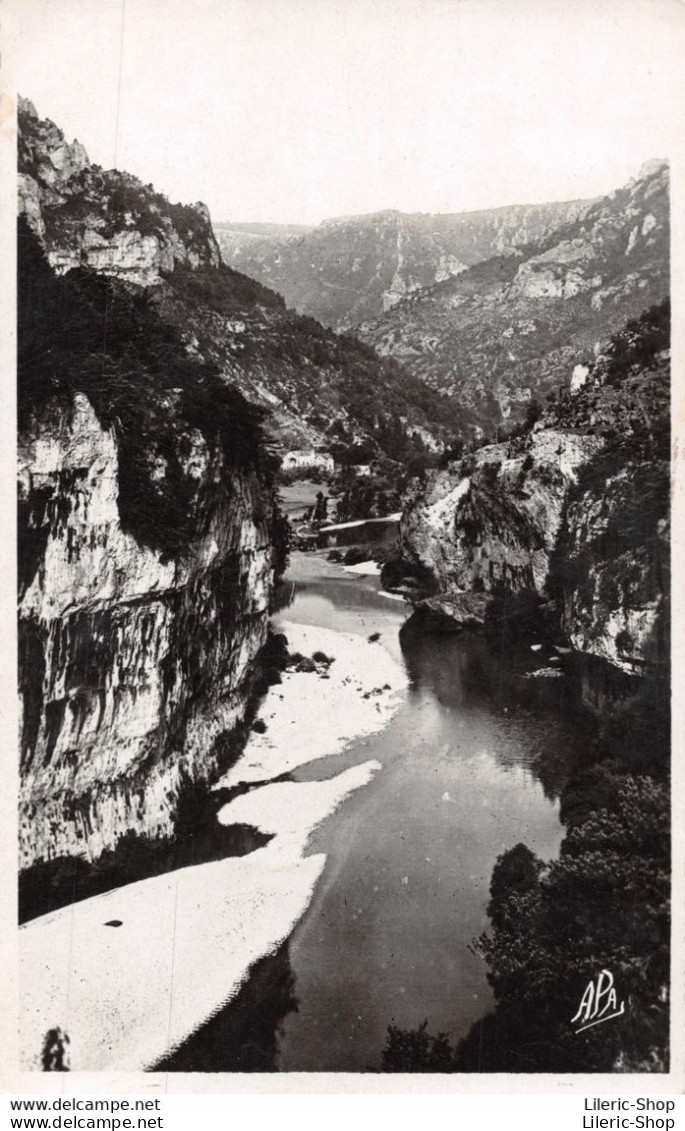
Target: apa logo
599	998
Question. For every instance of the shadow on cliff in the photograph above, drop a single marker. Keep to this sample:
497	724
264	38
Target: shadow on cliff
199	838
243	1035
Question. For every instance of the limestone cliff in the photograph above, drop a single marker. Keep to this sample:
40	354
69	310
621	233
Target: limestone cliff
107	220
575	507
494	518
145	530
132	669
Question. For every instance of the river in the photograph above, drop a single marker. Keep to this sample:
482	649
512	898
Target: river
472	763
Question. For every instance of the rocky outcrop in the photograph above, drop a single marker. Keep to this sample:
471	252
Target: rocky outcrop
575	510
494	518
109	221
146	528
615	604
133	671
460	613
558	273
625	226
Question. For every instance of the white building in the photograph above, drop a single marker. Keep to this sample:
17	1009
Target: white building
303	459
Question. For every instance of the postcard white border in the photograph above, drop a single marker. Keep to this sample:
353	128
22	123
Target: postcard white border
248	1084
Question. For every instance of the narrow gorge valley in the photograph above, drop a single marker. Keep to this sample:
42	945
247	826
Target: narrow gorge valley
343	631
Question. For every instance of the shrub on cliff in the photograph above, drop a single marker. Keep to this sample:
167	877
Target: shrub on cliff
222	289
639	343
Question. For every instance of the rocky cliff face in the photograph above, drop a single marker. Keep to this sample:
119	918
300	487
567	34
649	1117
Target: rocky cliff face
146	518
513	327
573	509
354	268
133	670
493	519
146	531
109	220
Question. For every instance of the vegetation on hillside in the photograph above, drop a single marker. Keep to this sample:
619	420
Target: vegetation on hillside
119	200
342	271
319	387
363	407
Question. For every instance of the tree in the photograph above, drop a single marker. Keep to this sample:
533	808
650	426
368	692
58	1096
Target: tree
416	1050
533	413
517	870
320	507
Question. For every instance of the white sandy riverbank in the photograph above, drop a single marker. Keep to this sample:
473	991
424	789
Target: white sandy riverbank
290	810
309	716
126	995
364	569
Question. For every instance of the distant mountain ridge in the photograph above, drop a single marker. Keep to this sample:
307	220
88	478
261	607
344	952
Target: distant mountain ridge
353	268
249	240
514	327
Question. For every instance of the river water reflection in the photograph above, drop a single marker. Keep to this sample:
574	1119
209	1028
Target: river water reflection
473	763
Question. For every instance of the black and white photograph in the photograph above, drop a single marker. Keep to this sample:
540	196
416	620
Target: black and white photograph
344	466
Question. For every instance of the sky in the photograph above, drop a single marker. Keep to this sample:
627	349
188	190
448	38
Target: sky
294	111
